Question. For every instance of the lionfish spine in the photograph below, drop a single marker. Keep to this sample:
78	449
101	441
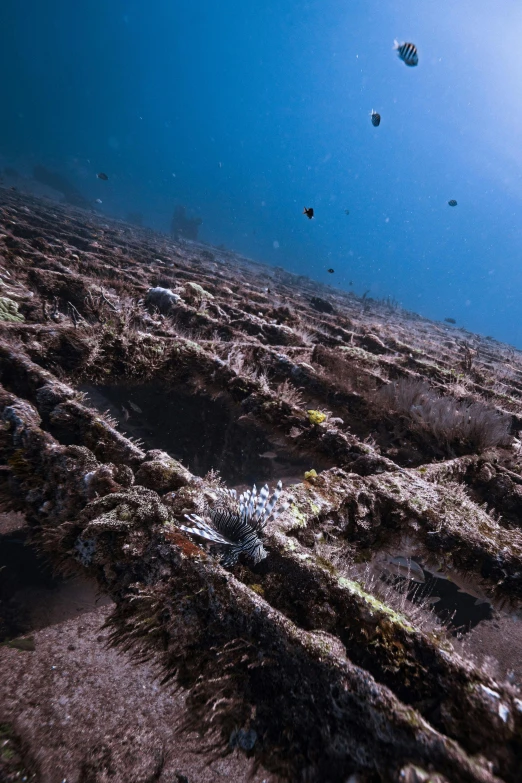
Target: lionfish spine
261	503
203	530
269	514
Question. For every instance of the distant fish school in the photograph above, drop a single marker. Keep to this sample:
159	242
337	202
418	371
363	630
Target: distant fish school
408	53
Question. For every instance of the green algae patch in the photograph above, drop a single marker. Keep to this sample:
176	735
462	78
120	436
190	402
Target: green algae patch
301	515
187	347
196	290
354	352
300	519
326	564
375	603
9	310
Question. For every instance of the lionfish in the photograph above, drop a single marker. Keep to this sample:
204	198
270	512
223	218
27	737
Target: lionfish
234	526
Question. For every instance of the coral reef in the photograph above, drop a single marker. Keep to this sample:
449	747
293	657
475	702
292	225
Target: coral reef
137	372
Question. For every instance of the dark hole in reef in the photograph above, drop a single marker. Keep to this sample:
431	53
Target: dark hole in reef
202	432
31	597
457	610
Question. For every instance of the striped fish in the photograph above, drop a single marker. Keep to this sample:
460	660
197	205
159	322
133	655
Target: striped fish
407	52
234	525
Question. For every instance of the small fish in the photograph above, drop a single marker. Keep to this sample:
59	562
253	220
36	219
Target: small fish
99	201
135	407
268	455
330	271
376	118
450	320
26	644
407	52
309	212
350	283
126	414
432	600
103	176
405	566
452	202
346	211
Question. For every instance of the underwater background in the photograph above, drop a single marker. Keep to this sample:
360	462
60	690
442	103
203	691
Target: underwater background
248	112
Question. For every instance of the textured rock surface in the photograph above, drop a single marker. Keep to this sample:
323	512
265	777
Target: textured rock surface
321	662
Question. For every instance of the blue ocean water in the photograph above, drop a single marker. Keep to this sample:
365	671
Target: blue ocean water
248	112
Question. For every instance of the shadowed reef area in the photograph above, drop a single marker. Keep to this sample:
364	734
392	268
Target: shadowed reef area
379	640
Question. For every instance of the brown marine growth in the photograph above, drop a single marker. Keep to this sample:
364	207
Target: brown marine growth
114	411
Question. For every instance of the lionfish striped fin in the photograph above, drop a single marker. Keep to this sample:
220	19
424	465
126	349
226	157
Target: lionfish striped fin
251	502
269	514
204	530
261	504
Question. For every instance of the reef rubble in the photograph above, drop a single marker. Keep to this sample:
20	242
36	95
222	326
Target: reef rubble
136	381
